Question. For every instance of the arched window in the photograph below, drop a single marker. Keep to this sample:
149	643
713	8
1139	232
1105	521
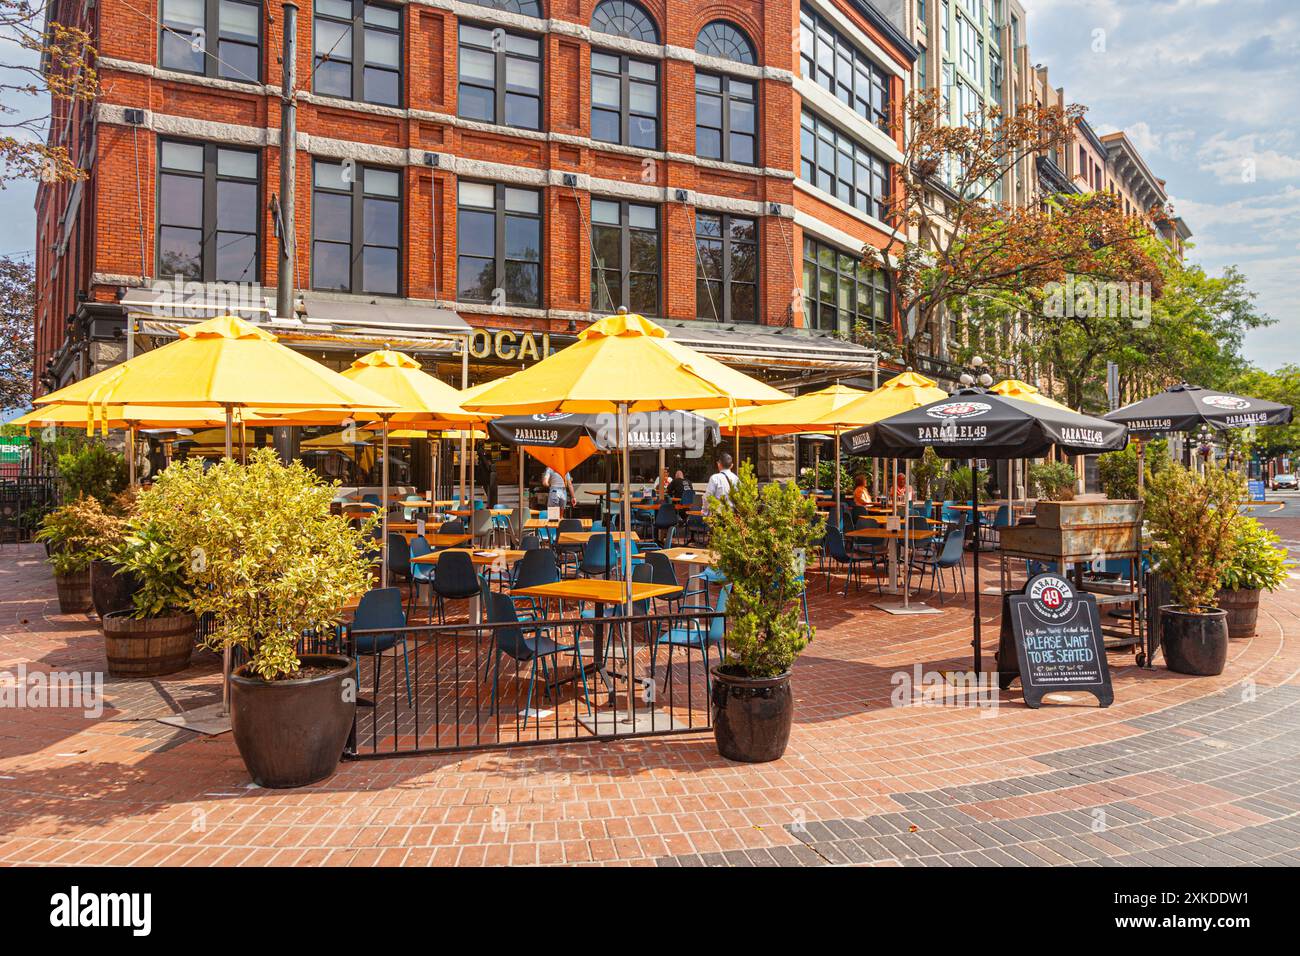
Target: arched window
527	8
725	40
622	18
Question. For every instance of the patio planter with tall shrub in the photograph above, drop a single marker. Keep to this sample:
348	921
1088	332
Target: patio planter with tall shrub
155	634
270	563
1258	564
76	535
762	540
1191	519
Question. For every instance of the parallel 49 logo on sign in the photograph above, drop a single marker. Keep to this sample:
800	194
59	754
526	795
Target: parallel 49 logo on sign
1051	597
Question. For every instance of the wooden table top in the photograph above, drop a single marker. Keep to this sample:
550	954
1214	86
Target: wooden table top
916	534
442	540
477	556
532	524
466	512
969	507
599	590
581	537
691	555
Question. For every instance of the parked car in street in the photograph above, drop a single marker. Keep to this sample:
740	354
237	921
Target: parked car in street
1285	481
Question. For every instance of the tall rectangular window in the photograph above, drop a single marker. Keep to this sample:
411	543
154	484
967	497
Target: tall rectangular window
624	100
724	118
356	226
840	294
220	38
726	267
358	51
500	77
625	264
836	163
829	59
208	212
499	244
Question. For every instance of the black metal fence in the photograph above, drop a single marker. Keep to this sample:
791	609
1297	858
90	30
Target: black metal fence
24	500
452	687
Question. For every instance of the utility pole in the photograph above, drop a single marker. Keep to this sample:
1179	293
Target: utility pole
288	162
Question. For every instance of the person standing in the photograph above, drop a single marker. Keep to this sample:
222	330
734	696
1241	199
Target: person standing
720	482
559	489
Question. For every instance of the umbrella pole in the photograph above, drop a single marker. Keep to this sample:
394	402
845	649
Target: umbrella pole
1142	460
839	494
907	536
606	511
627	517
383	507
519	450
975	511
130	453
226	657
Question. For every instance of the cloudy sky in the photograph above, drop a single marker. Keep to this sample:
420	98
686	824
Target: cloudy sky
1209	90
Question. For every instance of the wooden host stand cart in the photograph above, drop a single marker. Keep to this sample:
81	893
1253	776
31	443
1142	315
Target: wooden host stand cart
1080	533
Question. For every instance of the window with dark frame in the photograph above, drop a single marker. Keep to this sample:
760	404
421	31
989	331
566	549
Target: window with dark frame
208	212
623	18
625	263
235	49
357	51
500	77
624	100
498	244
356	228
725	124
838	164
830	60
840	293
726	267
726	41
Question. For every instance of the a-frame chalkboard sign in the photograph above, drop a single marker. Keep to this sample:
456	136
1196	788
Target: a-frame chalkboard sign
1051	639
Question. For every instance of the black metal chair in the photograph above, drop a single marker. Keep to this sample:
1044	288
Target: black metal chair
454	579
564	553
833	547
514	641
948	557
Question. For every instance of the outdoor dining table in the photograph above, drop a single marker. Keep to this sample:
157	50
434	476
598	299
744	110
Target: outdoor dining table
896	535
534	524
581	537
437	540
467	512
602	592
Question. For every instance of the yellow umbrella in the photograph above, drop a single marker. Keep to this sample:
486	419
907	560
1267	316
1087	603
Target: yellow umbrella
623	363
1014	388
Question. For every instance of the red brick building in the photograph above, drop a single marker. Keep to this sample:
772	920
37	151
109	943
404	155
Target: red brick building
512	166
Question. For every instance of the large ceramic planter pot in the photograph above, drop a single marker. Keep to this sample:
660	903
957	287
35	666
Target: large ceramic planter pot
292	732
149	646
111	589
1195	644
74	592
751	715
1243	611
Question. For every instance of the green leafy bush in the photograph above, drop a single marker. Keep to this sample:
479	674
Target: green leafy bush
1258	561
1053	480
1192	522
956	484
263	554
78	533
850	466
148	553
926	473
1117	471
762	540
92	470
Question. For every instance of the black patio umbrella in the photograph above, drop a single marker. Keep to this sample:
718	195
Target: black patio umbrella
1182	408
975	423
599	433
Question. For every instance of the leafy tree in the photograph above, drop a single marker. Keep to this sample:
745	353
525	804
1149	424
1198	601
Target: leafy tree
955	242
1192	520
44	58
762	539
1282	386
92	470
17	331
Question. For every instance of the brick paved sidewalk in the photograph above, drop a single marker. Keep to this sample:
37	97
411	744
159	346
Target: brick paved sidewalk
1177	771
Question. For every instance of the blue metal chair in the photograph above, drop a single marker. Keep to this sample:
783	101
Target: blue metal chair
568	553
514	641
380	608
666	519
454	579
599	556
421	573
949	558
452	526
399	557
833	547
694	634
534	568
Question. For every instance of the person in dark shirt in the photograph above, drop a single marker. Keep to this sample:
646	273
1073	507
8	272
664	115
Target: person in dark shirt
678	485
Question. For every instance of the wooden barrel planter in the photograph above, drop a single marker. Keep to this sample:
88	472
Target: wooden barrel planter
74	592
1243	611
148	647
111	589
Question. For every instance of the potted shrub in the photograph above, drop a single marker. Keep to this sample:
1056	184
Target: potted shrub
270	563
1259	563
1053	480
1191	519
76	534
90	469
761	539
111	587
155	636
